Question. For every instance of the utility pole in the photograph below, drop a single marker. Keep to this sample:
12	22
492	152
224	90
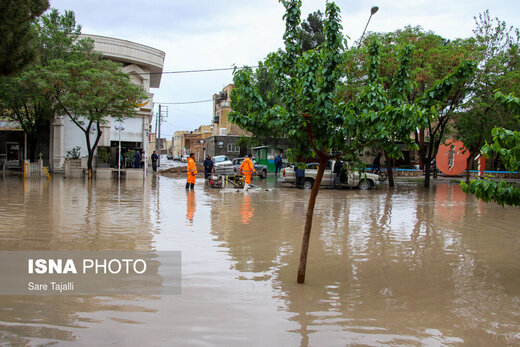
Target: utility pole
158	132
158	136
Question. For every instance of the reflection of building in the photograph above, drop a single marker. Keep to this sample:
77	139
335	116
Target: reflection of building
144	64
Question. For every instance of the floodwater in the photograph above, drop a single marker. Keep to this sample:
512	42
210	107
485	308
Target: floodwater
386	267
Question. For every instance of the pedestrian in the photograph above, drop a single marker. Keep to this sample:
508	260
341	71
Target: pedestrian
155	157
376	164
277	164
247	168
137	159
144	159
208	166
191	172
299	168
336	174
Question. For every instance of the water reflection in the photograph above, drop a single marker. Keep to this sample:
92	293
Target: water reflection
406	266
191	206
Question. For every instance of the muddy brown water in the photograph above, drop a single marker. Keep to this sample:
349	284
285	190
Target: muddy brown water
386	267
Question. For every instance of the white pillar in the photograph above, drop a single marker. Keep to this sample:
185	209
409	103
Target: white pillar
58	143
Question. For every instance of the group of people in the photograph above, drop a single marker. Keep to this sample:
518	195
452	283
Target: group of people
246	168
141	159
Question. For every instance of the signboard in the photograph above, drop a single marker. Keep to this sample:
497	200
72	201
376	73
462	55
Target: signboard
10	125
452	157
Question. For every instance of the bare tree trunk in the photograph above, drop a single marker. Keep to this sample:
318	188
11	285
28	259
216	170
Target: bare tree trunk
308	220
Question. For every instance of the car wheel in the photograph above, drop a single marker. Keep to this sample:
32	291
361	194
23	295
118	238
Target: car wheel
308	184
263	174
364	184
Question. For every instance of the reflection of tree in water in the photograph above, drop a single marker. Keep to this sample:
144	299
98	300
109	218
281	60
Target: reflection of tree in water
378	260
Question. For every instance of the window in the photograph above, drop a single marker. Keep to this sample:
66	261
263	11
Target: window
231	148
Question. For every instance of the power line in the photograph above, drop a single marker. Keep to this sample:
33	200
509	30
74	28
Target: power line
186	71
183	102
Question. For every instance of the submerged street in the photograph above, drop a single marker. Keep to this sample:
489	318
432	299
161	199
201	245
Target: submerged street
407	266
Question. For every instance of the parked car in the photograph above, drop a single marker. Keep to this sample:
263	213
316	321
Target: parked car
184	158
351	178
169	157
177	158
222	165
261	170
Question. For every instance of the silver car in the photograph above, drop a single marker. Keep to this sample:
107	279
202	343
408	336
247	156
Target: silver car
351	178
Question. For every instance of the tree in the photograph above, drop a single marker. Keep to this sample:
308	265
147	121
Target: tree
311	35
90	91
497	51
17	45
389	118
25	102
506	143
437	70
309	111
23	99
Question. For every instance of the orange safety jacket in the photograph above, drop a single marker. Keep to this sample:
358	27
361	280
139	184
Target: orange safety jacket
192	170
247	168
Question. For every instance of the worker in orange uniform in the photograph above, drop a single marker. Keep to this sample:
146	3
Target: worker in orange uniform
247	168
192	171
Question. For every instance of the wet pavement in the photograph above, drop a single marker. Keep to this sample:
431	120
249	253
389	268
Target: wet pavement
406	266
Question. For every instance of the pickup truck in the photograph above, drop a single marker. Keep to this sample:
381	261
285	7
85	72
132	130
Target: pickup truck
350	178
233	168
261	170
223	166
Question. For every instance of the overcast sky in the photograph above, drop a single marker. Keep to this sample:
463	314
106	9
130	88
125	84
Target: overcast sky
207	34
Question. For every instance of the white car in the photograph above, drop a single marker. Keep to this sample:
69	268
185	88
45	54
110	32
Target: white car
351	178
221	160
222	165
184	158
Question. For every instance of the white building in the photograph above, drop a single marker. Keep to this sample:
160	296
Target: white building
145	65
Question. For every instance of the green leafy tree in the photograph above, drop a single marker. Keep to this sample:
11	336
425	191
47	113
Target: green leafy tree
312	35
497	51
17	45
389	118
434	58
24	100
309	112
90	91
506	143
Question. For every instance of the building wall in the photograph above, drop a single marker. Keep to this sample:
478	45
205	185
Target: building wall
178	143
221	109
224	145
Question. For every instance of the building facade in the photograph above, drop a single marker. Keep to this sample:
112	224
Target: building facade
145	65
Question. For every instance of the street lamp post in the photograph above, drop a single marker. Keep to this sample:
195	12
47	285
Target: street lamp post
373	10
119	128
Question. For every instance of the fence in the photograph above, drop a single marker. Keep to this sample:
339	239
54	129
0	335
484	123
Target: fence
33	169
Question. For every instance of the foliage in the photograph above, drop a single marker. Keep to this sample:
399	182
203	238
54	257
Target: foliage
17	45
434	59
311	35
90	91
24	99
507	144
74	153
497	51
103	154
308	111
